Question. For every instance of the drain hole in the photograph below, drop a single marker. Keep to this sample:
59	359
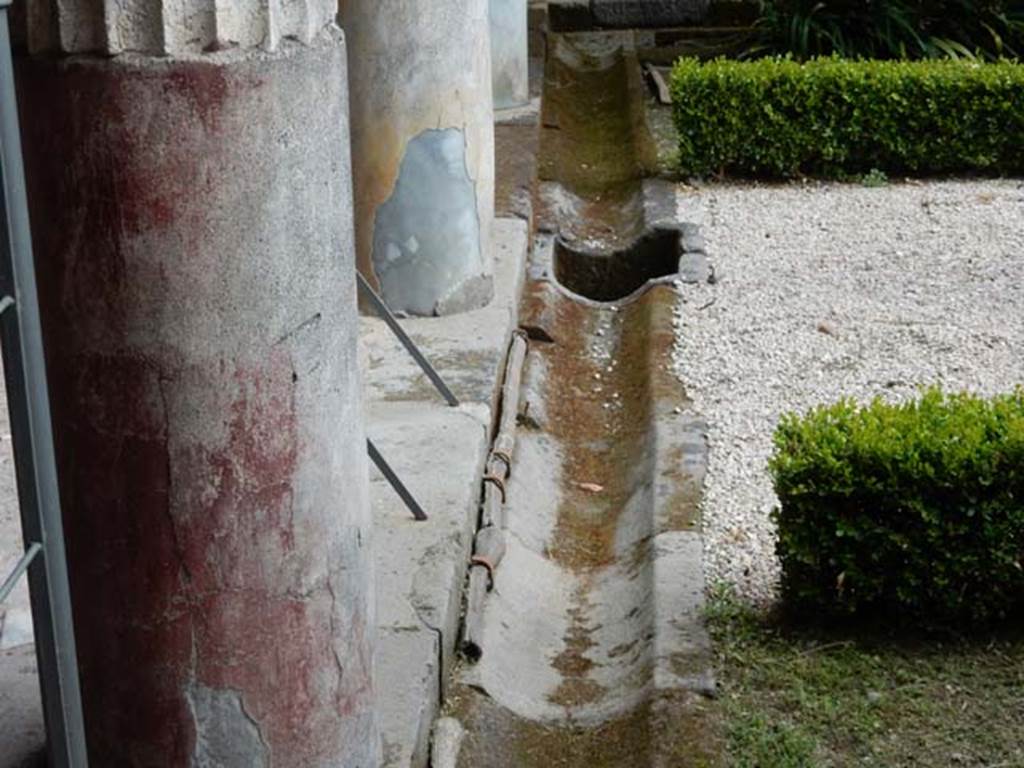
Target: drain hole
613	275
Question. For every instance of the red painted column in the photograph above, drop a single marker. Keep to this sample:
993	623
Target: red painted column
192	225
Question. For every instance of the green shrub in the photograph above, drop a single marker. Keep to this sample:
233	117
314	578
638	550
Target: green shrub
835	118
890	29
916	508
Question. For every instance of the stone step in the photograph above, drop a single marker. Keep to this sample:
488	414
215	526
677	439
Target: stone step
408	685
420	566
439	453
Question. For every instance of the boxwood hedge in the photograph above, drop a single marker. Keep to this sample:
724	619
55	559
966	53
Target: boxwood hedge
834	117
915	508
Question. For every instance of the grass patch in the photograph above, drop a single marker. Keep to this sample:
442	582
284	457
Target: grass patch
874	178
801	696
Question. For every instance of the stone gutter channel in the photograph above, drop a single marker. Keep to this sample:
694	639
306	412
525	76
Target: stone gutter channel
582	632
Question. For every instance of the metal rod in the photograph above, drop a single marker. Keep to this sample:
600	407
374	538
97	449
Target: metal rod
32	437
385	314
20	568
396	483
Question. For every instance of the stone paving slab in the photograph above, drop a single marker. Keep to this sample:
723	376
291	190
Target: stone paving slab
409	684
467	349
21	717
439	452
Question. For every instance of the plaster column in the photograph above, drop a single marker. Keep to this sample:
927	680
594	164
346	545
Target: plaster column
189	181
510	53
423	150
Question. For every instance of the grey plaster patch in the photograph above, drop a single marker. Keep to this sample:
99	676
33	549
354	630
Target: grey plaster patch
226	735
437	54
427	234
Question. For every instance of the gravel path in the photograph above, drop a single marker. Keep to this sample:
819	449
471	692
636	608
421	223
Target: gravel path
830	290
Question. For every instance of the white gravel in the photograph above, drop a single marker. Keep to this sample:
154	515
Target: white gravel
830	290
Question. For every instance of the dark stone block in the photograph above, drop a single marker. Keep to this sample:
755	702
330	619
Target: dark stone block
648	13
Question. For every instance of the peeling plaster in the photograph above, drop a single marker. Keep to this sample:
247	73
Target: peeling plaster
426	244
226	735
439	50
198	285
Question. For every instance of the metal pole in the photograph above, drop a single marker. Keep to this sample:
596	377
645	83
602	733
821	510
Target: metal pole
19	569
32	435
385	314
396	482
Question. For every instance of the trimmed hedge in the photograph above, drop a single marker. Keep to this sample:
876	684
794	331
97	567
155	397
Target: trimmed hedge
833	117
916	508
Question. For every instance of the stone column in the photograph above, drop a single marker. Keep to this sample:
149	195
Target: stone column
423	150
510	53
189	180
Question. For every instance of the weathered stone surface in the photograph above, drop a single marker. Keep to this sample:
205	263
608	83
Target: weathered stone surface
170	27
567	15
570	14
421	567
408	669
693	240
586	629
423	145
15	626
22	738
424	231
694	267
467	350
439	453
194	244
448	736
648	13
516	148
510	71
